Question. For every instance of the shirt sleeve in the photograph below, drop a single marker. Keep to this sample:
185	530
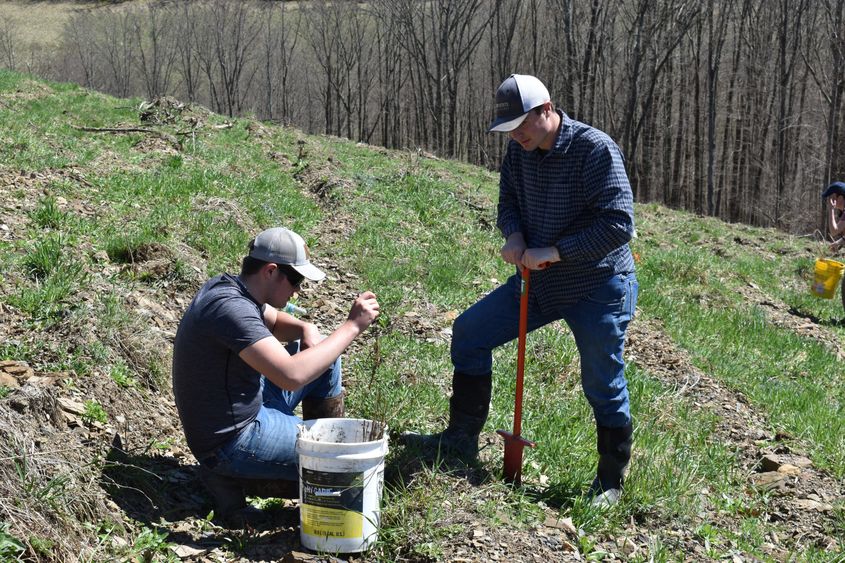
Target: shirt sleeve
610	199
236	323
508	217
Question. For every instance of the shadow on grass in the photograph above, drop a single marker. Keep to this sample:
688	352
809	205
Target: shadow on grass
149	487
838	323
166	496
406	463
557	496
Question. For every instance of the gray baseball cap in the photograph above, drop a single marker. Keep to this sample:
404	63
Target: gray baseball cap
283	246
516	96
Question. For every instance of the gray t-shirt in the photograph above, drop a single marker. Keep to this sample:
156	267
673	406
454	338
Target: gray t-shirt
216	392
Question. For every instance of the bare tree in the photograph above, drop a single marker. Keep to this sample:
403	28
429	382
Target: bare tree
594	47
835	149
655	31
77	37
731	146
8	43
187	65
791	15
280	32
344	47
155	44
392	77
824	58
718	15
440	41
324	38
112	42
360	54
223	41
503	25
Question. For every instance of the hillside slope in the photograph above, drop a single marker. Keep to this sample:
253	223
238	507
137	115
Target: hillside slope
114	212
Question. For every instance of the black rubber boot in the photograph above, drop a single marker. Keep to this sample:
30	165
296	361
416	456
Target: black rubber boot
468	410
323	408
614	446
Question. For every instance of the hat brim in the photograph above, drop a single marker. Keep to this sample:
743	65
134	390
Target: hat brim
503	124
310	271
837	188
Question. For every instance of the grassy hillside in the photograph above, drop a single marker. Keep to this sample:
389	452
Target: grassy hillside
736	371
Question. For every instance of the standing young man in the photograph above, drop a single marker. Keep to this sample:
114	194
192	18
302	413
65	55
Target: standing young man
565	201
236	385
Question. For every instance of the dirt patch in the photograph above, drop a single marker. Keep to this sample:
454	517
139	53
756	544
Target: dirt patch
108	162
158	145
223	210
783	316
801	496
322	181
21	191
26	91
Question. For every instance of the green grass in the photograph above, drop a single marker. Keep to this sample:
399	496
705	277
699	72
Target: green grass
421	235
411	258
10	547
795	380
48	215
94	412
43	257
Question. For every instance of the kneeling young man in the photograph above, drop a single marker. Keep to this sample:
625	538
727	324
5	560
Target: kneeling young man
240	368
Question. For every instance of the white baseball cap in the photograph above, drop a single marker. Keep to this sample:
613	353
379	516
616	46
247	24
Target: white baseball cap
516	96
283	246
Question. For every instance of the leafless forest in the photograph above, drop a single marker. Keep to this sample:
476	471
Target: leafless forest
729	108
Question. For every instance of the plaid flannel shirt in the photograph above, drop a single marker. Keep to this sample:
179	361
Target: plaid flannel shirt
576	197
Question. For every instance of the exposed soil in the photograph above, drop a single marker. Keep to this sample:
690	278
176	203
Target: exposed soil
150	476
801	496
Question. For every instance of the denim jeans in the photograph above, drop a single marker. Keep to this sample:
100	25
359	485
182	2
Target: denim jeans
598	323
266	448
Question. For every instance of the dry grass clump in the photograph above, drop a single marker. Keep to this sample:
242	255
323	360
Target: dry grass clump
48	488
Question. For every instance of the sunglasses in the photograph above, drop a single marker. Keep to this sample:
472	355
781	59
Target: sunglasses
294	277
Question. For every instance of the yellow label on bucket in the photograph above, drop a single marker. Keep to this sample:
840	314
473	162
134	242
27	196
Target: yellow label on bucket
332	504
323	522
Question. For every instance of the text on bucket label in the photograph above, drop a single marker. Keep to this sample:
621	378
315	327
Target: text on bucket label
332	504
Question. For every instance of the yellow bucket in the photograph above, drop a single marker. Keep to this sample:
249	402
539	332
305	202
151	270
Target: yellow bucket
827	276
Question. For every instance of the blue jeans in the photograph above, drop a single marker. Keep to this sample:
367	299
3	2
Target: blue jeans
266	448
598	323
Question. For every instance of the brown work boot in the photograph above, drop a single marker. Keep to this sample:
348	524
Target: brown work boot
227	494
271	488
330	407
229	497
229	500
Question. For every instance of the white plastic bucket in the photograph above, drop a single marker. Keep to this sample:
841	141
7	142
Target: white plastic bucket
341	476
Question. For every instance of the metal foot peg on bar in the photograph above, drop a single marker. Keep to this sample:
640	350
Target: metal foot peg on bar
513	455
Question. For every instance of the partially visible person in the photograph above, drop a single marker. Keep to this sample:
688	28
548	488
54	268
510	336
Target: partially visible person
835	197
236	384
